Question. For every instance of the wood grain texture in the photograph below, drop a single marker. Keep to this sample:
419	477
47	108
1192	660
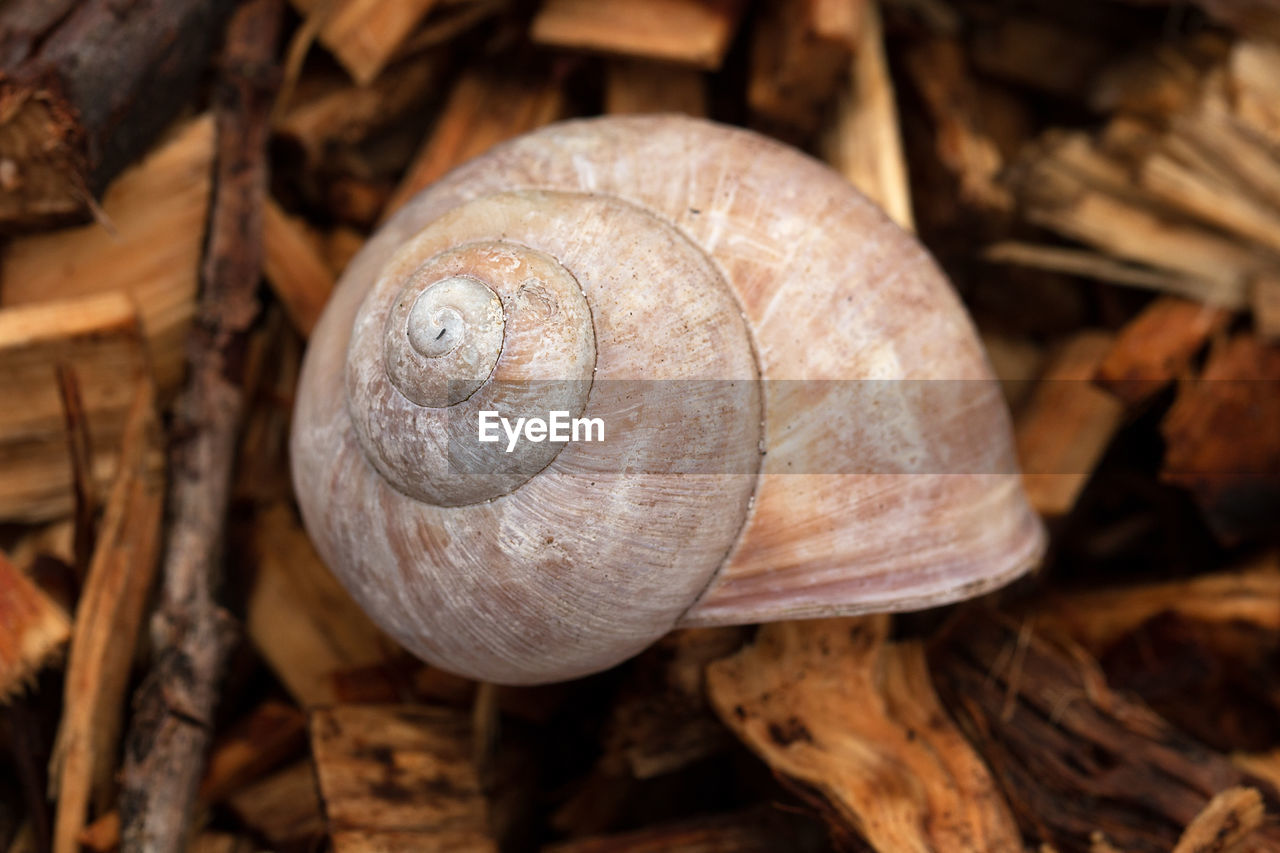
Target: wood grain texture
94	93
399	778
831	704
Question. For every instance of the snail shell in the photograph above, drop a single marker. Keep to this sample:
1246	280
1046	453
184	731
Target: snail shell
649	272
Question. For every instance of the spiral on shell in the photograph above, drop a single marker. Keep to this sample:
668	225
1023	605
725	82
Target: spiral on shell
562	272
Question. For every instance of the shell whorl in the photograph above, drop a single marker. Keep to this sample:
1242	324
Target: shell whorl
655	250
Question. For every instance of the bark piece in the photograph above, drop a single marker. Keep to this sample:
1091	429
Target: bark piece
293	265
108	621
283	808
1207	678
483	109
399	777
1157	347
349	114
636	86
939	69
165	750
863	142
150	249
364	34
830	704
99	339
688	32
92	96
24	22
1098	618
661	721
33	630
1218	442
255	745
1077	761
1229	820
1066	425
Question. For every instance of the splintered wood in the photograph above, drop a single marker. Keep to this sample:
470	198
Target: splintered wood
831	704
690	32
33	629
801	54
399	778
80	99
294	266
147	246
108	623
1158	347
364	34
1072	757
1219	446
863	142
1066	425
97	340
483	109
1192	197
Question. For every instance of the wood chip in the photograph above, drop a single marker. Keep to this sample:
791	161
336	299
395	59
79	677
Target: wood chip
1088	264
294	266
283	808
863	142
940	72
1067	185
348	114
831	704
1076	760
1040	53
149	248
254	745
660	721
364	34
637	86
33	630
1098	618
1157	347
483	109
756	831
1217	443
99	339
1066	425
801	54
108	623
689	32
399	778
1265	302
86	102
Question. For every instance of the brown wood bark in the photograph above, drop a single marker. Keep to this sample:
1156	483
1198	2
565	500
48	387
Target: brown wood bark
165	749
85	93
1077	762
